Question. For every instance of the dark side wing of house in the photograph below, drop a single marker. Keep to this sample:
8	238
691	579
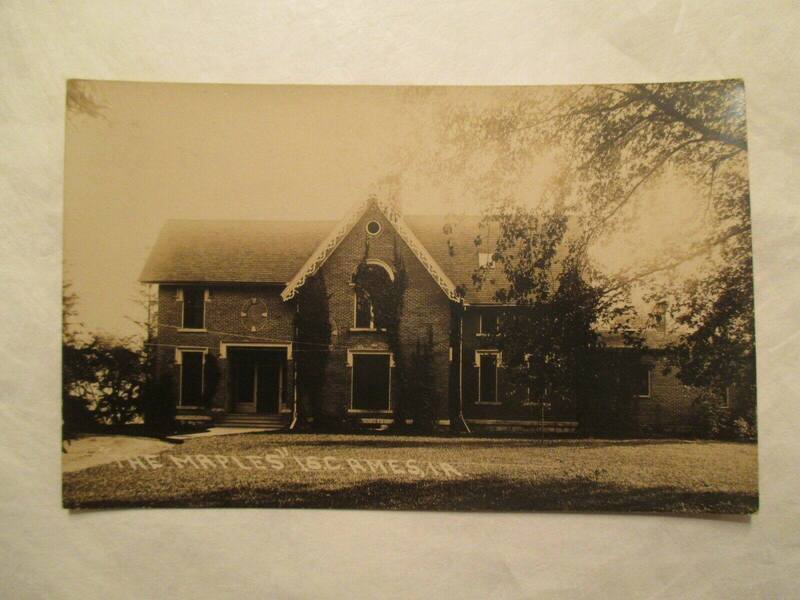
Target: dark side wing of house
227	307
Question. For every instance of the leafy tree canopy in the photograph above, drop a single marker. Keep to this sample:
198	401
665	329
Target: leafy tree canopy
608	151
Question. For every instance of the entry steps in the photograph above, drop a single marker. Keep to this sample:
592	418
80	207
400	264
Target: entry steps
255	421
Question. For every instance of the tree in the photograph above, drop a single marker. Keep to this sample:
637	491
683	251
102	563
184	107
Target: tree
156	401
81	99
627	135
613	143
549	339
118	380
75	410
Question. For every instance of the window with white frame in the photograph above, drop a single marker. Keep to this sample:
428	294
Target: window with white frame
191	377
487	322
487	362
194	307
371	381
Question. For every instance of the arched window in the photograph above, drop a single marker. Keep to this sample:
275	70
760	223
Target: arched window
378	272
364	314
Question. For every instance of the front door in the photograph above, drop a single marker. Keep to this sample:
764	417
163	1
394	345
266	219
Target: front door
268	385
256	380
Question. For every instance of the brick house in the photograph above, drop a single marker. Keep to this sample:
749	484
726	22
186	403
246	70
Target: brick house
227	294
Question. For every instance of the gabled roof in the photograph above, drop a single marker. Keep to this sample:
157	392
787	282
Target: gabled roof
196	251
332	241
279	252
450	239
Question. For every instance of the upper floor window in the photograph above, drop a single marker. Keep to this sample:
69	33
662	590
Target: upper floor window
372	274
364	314
488	323
194	308
485	260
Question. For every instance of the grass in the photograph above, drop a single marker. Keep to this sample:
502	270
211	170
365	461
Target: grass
483	474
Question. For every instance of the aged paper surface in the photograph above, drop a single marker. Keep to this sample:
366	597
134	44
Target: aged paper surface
49	552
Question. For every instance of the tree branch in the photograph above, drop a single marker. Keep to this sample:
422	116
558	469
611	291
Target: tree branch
650	172
668	107
677	261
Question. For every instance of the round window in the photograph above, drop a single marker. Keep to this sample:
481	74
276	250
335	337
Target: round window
373	228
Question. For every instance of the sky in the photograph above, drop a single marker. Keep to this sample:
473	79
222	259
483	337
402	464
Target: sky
159	151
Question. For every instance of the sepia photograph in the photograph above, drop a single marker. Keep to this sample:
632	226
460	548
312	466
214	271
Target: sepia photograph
454	298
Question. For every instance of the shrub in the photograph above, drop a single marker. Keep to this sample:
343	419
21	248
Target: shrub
712	420
158	402
76	411
76	416
744	429
716	421
119	379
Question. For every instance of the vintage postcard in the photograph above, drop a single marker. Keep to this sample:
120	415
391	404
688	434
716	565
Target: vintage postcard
433	298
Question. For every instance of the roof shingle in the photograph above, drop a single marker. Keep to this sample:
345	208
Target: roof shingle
219	251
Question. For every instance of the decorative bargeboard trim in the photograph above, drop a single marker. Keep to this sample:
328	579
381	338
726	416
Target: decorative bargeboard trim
326	248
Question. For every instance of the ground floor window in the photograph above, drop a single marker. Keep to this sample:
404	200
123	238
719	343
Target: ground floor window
641	381
191	378
487	377
372	380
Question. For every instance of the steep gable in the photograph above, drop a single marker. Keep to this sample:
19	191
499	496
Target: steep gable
345	226
285	253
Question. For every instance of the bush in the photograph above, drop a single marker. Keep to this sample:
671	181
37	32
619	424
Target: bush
744	429
712	420
76	412
119	378
158	403
715	421
76	416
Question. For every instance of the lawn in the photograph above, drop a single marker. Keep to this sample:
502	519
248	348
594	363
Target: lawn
405	472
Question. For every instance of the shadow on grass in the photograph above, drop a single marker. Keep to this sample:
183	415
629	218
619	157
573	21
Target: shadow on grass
477	494
403	441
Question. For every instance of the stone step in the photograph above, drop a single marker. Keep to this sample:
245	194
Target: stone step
266	426
255	420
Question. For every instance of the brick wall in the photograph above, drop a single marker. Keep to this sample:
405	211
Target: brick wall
670	406
508	407
224	323
425	306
